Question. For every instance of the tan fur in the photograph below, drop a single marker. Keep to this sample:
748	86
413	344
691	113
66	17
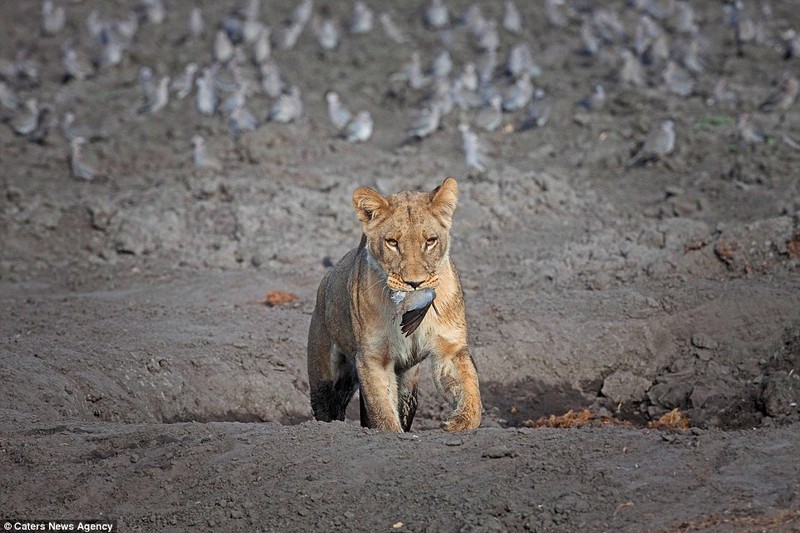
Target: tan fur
355	338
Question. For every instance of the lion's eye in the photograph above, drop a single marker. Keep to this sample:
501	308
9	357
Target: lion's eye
391	243
430	242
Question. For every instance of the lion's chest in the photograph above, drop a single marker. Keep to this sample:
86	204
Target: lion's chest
408	351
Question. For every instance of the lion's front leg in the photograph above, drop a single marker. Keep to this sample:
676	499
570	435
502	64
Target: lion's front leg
378	394
457	379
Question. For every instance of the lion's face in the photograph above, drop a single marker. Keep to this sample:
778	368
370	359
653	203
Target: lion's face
408	234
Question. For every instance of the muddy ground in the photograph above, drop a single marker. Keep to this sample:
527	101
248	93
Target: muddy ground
143	379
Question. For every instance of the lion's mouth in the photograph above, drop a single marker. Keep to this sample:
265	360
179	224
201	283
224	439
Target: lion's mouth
396	283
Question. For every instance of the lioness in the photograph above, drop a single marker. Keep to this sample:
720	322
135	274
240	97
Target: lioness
386	306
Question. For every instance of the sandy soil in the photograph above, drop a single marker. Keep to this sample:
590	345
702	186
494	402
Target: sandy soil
143	378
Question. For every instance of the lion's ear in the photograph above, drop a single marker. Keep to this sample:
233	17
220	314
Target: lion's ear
444	199
369	204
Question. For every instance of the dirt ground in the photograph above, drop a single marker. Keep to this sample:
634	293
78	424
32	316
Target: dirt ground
144	380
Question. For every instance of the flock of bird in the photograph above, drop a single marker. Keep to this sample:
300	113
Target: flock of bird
661	49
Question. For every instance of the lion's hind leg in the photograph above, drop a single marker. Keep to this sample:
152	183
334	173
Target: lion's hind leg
332	379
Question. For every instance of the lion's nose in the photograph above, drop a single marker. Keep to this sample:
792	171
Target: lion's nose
413	284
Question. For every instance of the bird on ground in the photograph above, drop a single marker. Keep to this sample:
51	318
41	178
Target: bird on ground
512	20
271	81
78	167
360	128
338	115
362	20
472	148
70	132
183	86
658	144
424	121
158	99
436	15
596	100
206	99
53	18
391	29
538	113
201	158
327	32
288	107
241	120
262	49
302	12
196	24
75	68
518	95
783	98
223	47
745	130
490	117
25	121
520	60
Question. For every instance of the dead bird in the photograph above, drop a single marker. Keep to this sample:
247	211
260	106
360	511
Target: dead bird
412	307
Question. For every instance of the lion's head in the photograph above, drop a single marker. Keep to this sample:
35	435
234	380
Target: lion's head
408	234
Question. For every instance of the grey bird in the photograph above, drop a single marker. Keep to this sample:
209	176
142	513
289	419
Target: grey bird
206	100
70	132
591	45
469	77
154	11
631	72
488	38
360	128
724	95
596	100
424	122
287	108
196	24
146	87
251	29
473	19
677	80
75	68
78	167
486	65
553	13
201	158
126	28
223	47
337	114
25	121
288	35
327	32
362	20
658	144
783	98
746	132
512	20
111	49
241	120
302	12
391	30
441	97
53	18
252	10
412	73
159	98
538	113
490	117
45	121
271	80
183	86
436	15
442	64
472	148
411	307
518	95
463	97
262	49
8	98
520	60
